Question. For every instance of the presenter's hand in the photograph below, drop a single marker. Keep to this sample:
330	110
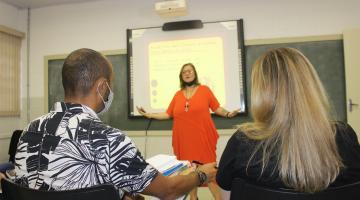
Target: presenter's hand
233	113
210	170
143	112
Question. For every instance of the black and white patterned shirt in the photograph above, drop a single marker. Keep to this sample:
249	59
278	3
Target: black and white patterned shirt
70	148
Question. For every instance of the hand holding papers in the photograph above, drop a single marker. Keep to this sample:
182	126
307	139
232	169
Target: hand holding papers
167	164
170	166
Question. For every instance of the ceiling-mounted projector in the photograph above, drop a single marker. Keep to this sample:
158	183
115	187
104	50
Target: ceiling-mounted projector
171	8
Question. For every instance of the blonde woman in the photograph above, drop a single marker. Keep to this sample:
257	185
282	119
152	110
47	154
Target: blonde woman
293	142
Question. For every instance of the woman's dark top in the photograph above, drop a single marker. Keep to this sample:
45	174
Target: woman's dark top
239	149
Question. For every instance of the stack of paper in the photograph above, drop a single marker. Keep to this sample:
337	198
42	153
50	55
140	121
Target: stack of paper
167	164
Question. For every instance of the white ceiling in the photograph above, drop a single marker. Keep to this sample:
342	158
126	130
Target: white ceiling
41	3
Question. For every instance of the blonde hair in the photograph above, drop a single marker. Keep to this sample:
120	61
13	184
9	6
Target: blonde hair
291	116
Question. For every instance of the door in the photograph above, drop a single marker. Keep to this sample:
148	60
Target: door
352	77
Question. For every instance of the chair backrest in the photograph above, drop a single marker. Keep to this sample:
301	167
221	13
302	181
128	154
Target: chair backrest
13	144
244	190
13	191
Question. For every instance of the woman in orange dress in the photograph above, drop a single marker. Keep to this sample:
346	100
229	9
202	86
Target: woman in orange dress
194	133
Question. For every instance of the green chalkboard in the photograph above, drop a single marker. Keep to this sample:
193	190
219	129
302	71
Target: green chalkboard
328	59
326	56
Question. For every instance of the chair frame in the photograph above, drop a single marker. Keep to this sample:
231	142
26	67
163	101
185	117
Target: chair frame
13	191
242	189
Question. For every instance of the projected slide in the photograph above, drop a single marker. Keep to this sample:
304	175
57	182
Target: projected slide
155	58
166	58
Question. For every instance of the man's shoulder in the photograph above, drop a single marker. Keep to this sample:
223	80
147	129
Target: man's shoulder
85	122
35	123
95	125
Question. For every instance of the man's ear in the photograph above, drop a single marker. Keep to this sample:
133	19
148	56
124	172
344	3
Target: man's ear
100	85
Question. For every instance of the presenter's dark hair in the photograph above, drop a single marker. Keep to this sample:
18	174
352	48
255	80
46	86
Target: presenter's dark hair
81	69
196	79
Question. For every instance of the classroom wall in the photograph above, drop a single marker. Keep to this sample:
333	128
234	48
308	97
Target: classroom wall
14	18
101	25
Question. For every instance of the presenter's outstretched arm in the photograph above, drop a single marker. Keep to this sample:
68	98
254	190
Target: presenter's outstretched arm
158	116
224	113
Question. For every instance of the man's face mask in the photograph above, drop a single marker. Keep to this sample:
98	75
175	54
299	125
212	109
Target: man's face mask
107	103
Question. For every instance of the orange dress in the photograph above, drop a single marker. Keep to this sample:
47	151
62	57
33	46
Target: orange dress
194	133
